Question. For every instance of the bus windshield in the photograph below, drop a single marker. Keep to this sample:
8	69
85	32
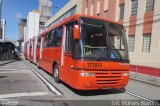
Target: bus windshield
101	40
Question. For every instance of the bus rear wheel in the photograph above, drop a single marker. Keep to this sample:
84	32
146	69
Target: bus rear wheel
56	73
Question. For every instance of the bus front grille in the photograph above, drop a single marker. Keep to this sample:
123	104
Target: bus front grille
108	77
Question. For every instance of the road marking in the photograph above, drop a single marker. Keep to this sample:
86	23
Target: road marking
52	88
12	66
1	69
23	94
138	96
20	71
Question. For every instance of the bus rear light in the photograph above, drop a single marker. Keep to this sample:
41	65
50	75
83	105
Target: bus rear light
126	74
86	74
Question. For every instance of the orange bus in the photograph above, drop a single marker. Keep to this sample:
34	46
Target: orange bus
85	52
32	49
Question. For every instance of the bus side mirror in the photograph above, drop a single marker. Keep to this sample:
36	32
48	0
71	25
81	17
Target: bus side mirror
76	32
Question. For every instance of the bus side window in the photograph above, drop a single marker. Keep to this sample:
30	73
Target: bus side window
57	36
46	42
69	37
30	44
51	38
38	43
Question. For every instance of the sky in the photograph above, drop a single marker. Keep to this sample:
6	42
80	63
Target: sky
13	10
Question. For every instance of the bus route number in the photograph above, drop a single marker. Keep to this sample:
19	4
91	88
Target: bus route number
94	64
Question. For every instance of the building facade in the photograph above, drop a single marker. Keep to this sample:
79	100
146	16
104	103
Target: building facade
72	7
33	24
36	19
141	19
2	30
21	27
44	8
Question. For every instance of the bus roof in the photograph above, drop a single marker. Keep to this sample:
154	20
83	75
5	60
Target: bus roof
75	16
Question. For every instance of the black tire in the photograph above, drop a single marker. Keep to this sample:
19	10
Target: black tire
122	90
56	73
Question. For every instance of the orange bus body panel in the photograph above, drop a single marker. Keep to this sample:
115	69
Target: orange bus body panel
106	77
109	75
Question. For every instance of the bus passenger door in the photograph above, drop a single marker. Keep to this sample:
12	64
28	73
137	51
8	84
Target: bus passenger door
43	52
34	51
66	61
41	47
56	43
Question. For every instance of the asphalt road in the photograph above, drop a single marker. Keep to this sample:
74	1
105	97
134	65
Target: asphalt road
18	83
23	76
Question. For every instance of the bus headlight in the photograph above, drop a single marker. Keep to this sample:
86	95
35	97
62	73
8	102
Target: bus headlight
126	74
87	74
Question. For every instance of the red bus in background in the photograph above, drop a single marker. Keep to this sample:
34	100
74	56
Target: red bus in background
37	50
31	50
86	52
26	50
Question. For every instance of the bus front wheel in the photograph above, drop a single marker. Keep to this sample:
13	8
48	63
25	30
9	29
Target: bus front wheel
56	73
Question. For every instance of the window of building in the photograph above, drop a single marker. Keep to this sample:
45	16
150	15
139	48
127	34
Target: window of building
146	43
131	43
86	3
134	7
98	6
105	13
71	12
149	5
121	15
92	2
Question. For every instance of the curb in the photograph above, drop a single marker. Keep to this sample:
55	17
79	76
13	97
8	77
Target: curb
144	81
3	63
